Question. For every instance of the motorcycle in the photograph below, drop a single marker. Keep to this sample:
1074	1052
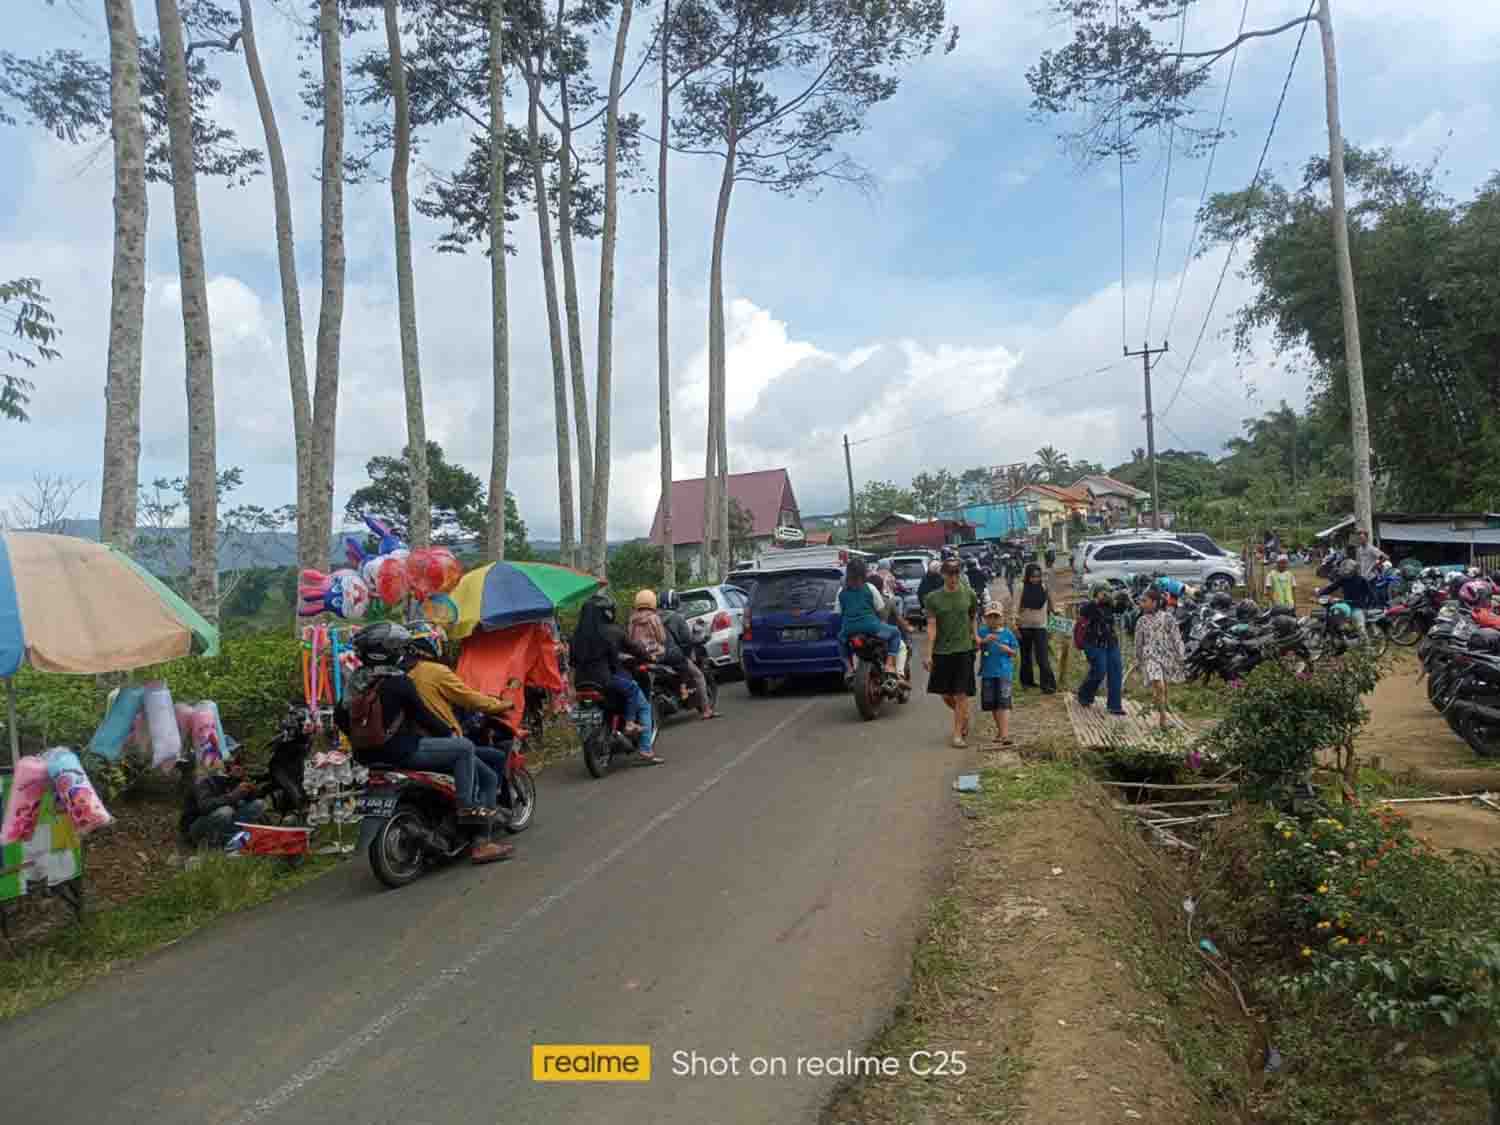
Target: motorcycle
871	685
409	818
1410	617
602	729
1332	631
280	783
670	693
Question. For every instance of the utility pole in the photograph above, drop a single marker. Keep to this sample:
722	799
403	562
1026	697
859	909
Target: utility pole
1359	415
1146	352
853	519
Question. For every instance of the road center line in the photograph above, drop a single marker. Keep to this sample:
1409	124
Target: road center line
435	984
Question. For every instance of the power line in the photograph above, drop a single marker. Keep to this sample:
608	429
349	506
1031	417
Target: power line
999	399
1166	187
1213	151
1221	404
1254	182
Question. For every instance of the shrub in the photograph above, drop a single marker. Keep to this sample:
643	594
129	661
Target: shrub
1277	720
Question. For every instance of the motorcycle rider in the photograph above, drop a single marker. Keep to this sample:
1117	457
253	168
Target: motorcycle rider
441	689
413	737
649	632
860	608
1355	589
595	656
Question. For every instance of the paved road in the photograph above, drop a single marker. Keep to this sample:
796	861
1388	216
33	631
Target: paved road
758	894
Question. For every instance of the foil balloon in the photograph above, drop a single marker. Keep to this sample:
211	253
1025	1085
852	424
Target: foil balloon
354	551
390	579
312	593
385	535
432	570
348	596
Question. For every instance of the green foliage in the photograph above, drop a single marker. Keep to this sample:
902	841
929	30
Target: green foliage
1277	720
637	564
934	492
741	530
458	497
1405	936
25	305
877	499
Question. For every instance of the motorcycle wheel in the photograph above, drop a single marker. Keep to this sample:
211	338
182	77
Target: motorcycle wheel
1405	631
596	751
522	802
1483	737
867	692
396	852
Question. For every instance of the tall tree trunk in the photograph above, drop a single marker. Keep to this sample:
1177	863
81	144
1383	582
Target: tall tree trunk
308	552
599	518
716	493
554	319
570	303
499	325
203	475
419	520
120	482
663	346
331	309
1359	415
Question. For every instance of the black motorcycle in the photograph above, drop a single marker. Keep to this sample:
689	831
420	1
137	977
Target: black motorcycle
871	685
672	693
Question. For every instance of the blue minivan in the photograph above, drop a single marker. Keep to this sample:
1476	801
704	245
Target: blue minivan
792	627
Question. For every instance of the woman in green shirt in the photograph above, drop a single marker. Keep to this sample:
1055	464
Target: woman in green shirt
949	658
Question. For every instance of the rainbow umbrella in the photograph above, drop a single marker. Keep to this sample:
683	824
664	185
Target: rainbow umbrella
70	605
502	594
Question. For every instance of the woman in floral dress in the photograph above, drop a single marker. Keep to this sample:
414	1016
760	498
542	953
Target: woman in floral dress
1158	650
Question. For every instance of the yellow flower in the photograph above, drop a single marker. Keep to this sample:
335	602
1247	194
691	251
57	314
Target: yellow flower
1324	925
1306	952
1340	942
1322	888
1272	884
1286	835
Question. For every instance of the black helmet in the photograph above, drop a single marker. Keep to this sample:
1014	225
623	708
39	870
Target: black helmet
426	646
1246	610
1284	625
1222	602
604	605
382	644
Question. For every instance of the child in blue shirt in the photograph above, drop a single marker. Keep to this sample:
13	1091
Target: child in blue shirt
859	613
997	646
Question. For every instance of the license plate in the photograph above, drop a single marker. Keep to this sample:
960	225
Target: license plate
375	804
588	717
801	634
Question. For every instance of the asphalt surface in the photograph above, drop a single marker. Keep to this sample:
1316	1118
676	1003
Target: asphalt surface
759	894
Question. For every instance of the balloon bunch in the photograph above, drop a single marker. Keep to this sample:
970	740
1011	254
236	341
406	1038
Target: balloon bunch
391	574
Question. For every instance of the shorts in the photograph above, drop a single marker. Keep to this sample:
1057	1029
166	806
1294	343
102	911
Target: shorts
952	673
994	694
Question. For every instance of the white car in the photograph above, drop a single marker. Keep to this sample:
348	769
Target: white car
717	614
908	568
1123	559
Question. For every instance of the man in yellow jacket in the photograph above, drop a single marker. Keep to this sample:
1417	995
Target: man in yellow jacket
441	690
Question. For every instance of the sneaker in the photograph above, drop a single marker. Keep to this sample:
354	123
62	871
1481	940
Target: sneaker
959	743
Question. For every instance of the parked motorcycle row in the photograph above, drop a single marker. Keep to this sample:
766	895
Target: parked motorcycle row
1459	648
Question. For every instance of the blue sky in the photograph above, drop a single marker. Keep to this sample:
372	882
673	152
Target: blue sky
985	262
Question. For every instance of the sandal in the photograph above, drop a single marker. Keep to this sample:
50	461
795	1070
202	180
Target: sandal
650	757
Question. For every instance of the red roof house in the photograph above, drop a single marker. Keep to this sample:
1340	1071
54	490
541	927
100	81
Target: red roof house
767	495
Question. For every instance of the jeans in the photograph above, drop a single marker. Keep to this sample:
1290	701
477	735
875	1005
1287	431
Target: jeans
1358	617
456	756
888	633
1034	644
494	761
637	708
216	827
1104	663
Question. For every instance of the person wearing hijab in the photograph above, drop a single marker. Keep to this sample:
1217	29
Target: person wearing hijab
595	657
1036	605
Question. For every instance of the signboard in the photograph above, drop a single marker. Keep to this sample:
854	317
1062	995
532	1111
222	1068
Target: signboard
788	535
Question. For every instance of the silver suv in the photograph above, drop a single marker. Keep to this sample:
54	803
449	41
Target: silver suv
1155	554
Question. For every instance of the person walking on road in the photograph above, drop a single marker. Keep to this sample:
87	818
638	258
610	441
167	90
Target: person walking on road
997	646
1158	650
950	646
1101	644
1009	567
1036	605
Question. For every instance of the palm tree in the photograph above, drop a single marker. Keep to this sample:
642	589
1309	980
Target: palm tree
1052	464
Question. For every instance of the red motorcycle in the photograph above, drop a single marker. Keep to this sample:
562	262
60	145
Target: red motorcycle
1407	621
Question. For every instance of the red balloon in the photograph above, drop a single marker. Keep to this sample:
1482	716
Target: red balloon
390	581
432	570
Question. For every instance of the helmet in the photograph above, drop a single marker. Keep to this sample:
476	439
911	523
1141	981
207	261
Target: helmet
1246	610
382	644
1348	568
1284	625
645	599
426	646
1221	601
1476	592
1455	581
604	605
1340	609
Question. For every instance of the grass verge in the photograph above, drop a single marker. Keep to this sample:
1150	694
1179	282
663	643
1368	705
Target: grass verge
75	954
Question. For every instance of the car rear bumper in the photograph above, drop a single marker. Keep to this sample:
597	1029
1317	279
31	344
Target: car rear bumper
822	658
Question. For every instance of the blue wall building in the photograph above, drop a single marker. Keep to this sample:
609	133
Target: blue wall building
992	521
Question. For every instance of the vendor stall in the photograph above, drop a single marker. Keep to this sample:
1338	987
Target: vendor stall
69	605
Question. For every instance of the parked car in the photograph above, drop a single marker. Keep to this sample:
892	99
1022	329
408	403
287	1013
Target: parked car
1199	541
717	614
1124	559
791	627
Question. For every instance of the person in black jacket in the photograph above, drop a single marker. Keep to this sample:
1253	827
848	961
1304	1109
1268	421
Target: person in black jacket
1101	644
212	803
595	656
1355	589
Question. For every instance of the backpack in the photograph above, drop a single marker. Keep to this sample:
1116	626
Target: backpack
1080	633
367	726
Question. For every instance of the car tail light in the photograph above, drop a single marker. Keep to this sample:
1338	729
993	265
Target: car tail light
721	622
745	632
857	641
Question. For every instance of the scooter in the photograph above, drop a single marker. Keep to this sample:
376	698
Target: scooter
602	729
409	818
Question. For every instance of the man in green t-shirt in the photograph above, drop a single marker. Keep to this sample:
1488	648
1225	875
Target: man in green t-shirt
951	640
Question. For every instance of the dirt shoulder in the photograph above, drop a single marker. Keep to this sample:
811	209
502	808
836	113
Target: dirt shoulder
1047	966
